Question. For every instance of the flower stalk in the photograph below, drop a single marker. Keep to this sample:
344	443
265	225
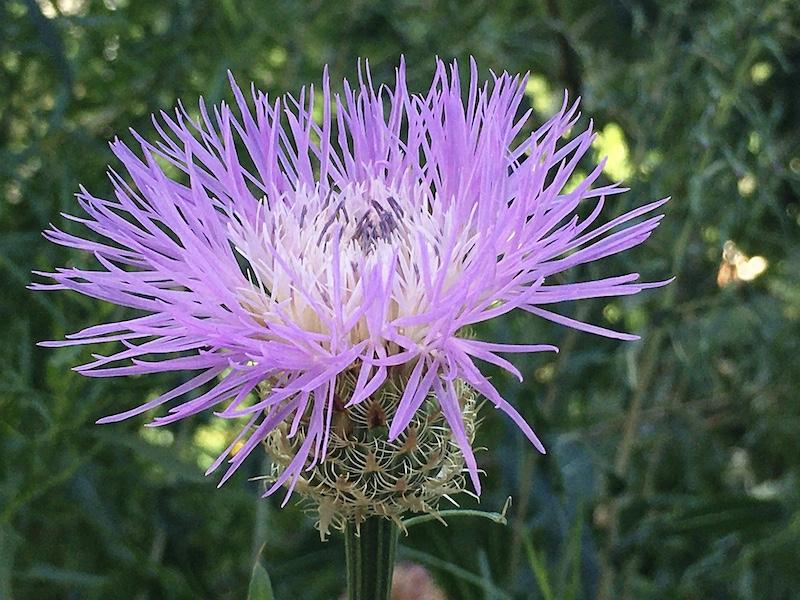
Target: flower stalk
370	554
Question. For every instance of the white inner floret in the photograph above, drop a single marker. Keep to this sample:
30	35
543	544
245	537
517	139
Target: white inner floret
328	260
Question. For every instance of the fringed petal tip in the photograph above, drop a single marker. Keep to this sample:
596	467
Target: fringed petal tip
50	343
107	420
662	283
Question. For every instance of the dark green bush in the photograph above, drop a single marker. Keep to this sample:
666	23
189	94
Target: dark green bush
674	461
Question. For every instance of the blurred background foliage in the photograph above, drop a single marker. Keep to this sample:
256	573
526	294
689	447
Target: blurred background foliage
674	461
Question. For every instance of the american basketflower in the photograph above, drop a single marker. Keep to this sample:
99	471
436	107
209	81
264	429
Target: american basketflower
318	260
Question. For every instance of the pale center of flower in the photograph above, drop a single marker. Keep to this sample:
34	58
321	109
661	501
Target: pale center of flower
315	258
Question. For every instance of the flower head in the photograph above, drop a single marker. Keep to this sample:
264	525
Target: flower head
303	255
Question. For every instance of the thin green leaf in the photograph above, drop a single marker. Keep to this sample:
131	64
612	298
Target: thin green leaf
64	577
571	560
8	545
455	570
496	517
539	569
260	587
486	575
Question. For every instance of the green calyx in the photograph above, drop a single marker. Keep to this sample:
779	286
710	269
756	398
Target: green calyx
364	474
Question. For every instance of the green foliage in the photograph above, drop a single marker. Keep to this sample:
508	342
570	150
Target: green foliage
674	462
260	585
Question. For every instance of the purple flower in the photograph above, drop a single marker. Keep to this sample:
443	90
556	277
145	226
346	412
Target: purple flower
275	248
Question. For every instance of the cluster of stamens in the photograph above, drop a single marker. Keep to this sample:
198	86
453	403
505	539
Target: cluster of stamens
376	222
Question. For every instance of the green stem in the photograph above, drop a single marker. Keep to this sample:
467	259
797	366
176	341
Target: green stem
370	551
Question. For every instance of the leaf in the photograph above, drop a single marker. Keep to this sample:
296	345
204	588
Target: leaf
539	569
486	575
260	585
571	565
455	570
496	517
67	578
8	545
